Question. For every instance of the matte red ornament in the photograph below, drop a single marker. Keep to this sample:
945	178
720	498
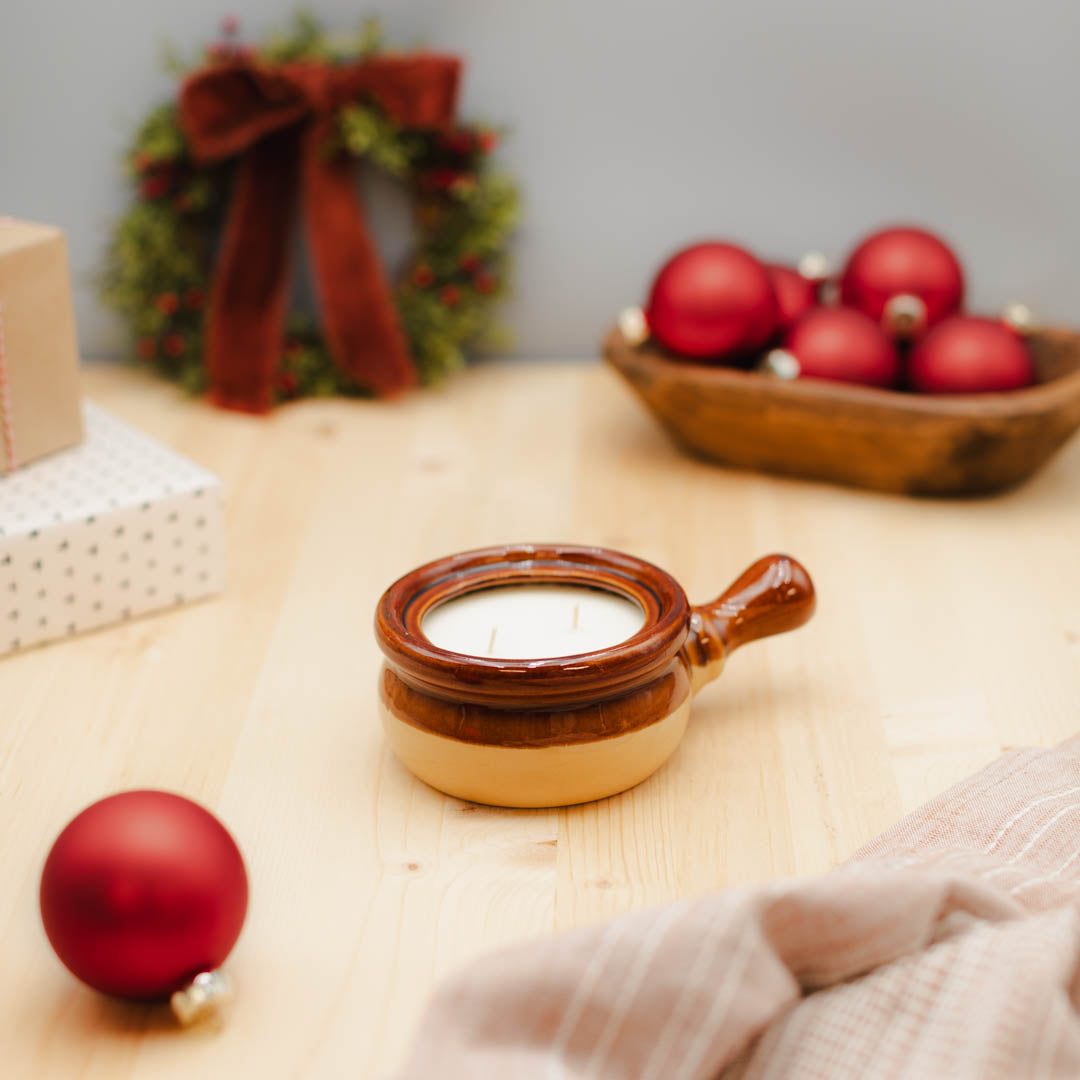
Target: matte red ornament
896	270
795	295
970	355
712	301
845	345
142	892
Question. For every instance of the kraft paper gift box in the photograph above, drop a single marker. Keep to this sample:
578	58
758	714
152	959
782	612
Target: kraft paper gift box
40	409
113	528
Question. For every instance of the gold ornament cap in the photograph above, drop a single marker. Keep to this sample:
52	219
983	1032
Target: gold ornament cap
205	996
633	326
904	315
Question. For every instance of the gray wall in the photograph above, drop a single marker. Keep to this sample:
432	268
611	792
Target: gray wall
783	124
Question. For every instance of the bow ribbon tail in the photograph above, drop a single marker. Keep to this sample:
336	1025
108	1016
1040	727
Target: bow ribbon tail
250	292
359	317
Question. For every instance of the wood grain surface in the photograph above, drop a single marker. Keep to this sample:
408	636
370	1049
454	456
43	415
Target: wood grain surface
945	632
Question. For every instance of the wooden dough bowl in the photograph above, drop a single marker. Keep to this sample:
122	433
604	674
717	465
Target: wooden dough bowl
561	730
882	439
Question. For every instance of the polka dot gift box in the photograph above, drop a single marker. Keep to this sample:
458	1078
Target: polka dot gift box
111	529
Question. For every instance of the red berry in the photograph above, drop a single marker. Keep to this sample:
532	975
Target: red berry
423	276
450	295
463	184
146	347
286	383
469	262
458	142
174	345
229	25
484	282
193	299
487	141
167	303
440	179
154	186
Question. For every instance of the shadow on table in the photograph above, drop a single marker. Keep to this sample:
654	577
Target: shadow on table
89	1015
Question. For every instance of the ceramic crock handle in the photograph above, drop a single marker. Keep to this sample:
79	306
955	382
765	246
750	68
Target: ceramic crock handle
773	595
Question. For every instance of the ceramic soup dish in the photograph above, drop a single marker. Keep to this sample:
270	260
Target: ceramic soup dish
550	730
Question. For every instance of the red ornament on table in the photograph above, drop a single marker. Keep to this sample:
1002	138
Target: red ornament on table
795	295
840	344
906	278
143	896
712	302
970	355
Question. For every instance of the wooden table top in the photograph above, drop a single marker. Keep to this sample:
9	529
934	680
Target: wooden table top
945	632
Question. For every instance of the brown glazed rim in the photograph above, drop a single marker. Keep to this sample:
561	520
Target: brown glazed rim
563	681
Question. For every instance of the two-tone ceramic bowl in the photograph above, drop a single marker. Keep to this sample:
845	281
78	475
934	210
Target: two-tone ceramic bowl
551	730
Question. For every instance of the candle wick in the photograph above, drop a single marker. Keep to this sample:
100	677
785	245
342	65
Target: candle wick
577	616
491	641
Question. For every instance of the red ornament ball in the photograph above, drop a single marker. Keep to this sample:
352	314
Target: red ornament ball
845	345
795	295
903	262
712	301
969	355
141	892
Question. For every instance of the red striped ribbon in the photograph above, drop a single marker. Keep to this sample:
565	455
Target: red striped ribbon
7	419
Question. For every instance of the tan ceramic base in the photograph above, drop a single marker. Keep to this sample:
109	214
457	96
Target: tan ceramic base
537	776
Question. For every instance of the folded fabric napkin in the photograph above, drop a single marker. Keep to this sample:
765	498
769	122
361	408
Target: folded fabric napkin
948	947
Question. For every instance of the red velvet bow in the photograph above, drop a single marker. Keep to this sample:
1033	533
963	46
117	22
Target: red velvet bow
280	119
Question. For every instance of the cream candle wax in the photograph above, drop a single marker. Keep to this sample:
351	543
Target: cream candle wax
531	622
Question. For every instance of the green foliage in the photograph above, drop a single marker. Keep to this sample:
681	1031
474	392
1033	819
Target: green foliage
159	262
364	131
159	138
307	40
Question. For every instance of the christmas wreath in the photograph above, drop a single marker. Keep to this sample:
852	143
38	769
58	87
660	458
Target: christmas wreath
199	265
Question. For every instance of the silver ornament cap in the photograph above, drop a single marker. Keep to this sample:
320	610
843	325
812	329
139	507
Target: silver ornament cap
633	326
1019	318
205	996
904	315
781	363
815	266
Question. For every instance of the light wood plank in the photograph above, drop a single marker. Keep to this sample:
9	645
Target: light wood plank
946	631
